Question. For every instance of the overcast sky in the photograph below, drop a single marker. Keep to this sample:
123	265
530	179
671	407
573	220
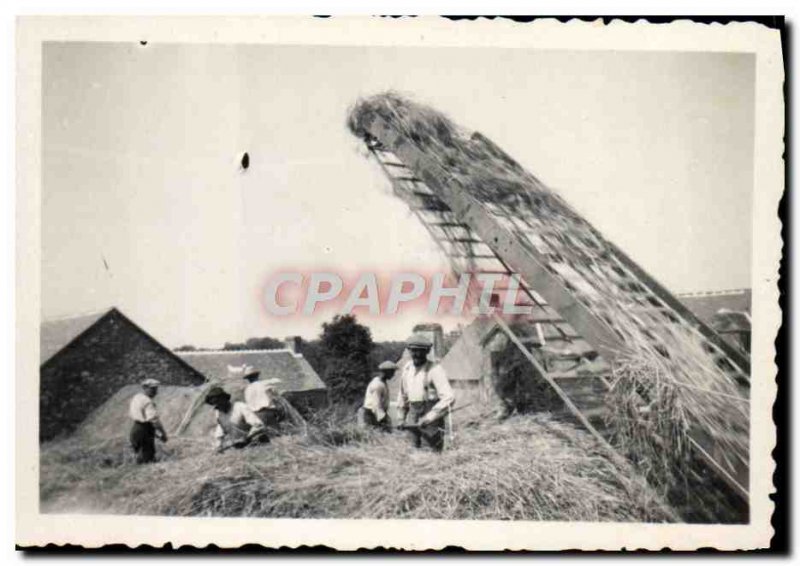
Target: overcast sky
141	172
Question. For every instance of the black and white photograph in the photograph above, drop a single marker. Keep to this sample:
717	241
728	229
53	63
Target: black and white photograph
515	285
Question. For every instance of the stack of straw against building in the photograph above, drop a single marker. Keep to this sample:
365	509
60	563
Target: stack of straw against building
666	368
653	413
529	467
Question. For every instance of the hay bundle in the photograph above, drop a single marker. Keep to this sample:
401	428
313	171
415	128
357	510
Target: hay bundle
292	418
655	411
470	159
198	420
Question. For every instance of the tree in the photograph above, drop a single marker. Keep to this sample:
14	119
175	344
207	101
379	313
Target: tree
264	343
386	351
344	337
313	352
346	345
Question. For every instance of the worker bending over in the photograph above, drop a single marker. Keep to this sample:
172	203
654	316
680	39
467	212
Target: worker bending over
376	399
425	395
261	397
237	426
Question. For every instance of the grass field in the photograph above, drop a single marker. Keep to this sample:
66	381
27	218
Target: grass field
532	467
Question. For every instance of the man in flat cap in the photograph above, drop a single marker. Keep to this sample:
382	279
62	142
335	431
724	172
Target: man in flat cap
260	396
237	426
376	399
425	395
146	424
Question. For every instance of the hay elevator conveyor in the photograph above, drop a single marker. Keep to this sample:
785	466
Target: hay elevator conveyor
588	298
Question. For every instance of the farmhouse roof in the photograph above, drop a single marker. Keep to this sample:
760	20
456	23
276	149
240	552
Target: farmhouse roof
58	333
706	305
294	371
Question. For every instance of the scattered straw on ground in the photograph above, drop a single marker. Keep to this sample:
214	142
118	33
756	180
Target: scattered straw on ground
530	468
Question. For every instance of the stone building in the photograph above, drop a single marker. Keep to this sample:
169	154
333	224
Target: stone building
86	359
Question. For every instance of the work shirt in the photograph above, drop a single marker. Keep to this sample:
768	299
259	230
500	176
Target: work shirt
237	424
258	396
143	409
429	383
376	399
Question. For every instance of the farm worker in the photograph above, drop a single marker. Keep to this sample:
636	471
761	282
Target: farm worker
425	395
261	397
237	426
376	399
146	424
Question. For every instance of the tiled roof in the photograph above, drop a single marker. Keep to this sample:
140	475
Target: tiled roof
295	373
706	305
55	334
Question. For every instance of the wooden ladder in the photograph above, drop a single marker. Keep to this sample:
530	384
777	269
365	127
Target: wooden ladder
556	351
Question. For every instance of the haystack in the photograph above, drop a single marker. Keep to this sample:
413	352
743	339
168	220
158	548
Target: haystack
111	419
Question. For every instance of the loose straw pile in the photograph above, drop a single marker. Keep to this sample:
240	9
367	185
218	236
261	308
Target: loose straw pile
528	468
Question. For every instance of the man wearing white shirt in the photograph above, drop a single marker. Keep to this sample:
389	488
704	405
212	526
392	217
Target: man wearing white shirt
261	397
376	398
425	395
146	424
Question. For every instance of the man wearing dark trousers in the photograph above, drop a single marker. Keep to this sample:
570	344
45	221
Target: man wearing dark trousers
425	396
146	424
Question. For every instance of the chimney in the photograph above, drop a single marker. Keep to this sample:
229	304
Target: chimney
292	343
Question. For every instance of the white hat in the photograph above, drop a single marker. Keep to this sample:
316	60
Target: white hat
250	371
245	370
150	382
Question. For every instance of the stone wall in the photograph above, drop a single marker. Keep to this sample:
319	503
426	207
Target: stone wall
84	375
